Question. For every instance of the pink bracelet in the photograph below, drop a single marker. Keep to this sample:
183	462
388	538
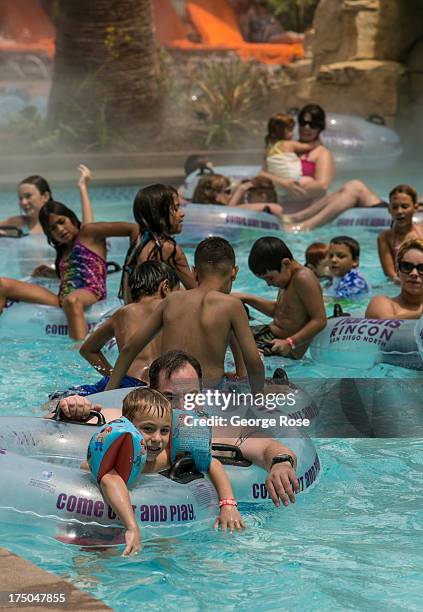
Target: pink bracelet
229	501
291	343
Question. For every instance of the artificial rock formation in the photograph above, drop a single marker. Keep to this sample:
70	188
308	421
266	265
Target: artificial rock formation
365	57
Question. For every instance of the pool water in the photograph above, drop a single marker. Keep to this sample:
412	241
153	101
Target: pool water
354	542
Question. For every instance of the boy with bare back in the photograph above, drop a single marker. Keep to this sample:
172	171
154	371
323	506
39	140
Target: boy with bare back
201	321
149	283
298	313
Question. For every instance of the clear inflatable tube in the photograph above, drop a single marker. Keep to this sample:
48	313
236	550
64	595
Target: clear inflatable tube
23	320
40	475
362	343
356	144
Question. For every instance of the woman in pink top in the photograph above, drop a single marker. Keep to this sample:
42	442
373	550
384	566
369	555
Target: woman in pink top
311	204
316	164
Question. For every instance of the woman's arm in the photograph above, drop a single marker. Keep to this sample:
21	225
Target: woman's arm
87	211
302	147
380	307
385	256
116	493
91	348
317	187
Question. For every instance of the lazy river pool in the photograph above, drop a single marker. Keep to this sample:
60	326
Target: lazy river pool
354	542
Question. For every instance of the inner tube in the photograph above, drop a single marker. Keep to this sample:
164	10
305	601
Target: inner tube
362	343
230	222
23	320
21	252
356	144
39	467
247	482
10	231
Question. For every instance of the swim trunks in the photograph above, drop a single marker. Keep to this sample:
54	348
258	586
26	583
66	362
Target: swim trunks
83	269
263	337
97	387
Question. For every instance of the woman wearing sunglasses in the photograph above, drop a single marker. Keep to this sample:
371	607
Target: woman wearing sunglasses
316	163
317	207
409	303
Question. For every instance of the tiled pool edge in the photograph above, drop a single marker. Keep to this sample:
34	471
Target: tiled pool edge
19	576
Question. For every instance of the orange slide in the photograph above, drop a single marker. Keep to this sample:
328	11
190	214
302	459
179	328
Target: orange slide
26	28
216	22
173	34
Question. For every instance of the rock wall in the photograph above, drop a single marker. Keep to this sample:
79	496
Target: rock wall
364	57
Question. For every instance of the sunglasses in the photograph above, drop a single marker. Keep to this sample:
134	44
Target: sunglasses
406	267
312	124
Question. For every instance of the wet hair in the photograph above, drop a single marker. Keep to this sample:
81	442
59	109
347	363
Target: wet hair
277	126
407	189
263	190
214	254
414	243
315	253
145	400
266	255
152	208
318	115
146	277
196	162
209	187
349	242
169	363
39	182
56	208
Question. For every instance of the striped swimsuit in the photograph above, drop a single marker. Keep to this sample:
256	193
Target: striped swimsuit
83	269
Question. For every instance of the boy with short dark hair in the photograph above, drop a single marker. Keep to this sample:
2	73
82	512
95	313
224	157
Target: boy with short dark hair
298	313
344	258
149	284
201	321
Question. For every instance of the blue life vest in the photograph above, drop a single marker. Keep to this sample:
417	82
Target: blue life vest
118	445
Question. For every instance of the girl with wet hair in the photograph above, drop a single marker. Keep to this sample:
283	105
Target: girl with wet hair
80	264
33	192
159	215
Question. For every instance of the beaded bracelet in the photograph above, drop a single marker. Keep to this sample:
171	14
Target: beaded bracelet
229	501
291	343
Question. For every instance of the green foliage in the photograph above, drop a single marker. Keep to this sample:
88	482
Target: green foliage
31	129
231	92
294	15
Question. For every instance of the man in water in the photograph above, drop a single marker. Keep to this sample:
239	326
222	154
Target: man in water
176	374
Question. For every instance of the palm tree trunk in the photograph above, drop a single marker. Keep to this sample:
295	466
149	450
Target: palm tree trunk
106	66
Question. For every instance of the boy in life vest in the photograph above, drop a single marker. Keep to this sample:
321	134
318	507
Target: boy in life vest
151	414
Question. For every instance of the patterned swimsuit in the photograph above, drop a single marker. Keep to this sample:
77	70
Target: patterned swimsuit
83	269
351	284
